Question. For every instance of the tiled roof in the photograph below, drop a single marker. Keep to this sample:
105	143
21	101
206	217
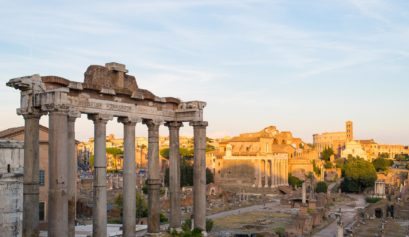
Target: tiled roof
12	131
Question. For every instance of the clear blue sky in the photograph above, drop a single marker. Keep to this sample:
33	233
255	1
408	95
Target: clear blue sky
302	65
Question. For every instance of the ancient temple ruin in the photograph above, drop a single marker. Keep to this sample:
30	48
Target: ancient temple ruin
107	92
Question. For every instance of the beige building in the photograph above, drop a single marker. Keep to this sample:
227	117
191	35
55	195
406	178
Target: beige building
343	144
260	159
374	149
17	133
355	149
334	140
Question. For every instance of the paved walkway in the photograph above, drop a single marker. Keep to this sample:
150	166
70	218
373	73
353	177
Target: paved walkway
239	211
348	214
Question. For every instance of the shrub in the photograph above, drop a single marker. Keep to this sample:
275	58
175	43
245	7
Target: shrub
321	187
372	199
280	231
294	181
209	225
163	218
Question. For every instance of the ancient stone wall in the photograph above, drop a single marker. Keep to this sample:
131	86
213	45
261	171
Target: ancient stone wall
11	188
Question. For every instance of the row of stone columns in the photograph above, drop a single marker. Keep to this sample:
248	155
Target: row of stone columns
274	171
63	168
61	178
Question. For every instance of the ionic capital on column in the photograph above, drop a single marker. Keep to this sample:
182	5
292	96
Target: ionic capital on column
129	120
202	124
174	125
100	118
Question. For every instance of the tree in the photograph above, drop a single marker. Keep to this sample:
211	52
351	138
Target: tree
141	206
358	175
328	165
186	175
382	164
184	153
294	181
321	187
326	154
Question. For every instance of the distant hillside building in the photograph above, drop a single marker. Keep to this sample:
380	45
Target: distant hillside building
334	140
343	144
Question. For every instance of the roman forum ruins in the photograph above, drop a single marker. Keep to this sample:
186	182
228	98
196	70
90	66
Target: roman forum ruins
107	92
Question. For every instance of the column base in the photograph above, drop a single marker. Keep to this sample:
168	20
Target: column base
204	233
266	186
153	234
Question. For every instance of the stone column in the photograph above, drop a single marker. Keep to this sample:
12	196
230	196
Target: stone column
99	211
154	181
129	175
281	173
72	172
58	174
287	172
260	185
272	173
277	171
199	175
304	193
265	174
174	175
31	174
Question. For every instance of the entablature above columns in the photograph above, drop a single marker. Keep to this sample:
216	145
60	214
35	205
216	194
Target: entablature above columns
105	90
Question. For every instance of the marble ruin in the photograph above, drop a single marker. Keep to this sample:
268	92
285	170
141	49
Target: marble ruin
107	92
11	187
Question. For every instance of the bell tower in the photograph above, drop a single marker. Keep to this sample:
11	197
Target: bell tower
349	131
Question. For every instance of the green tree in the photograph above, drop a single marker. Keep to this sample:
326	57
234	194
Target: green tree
186	175
141	205
315	168
359	174
294	181
382	164
321	187
184	153
326	154
328	165
114	151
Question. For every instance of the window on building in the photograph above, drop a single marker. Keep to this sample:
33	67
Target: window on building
41	211
42	178
8	168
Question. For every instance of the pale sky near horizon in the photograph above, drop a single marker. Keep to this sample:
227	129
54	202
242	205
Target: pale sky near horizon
305	66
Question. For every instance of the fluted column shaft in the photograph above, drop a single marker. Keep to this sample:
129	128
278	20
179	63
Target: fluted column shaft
72	174
154	181
174	174
99	212
199	175
129	178
31	177
58	174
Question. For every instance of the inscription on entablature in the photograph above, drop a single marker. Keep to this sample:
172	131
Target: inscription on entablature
102	105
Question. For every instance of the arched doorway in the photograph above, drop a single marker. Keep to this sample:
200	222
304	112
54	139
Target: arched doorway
378	213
